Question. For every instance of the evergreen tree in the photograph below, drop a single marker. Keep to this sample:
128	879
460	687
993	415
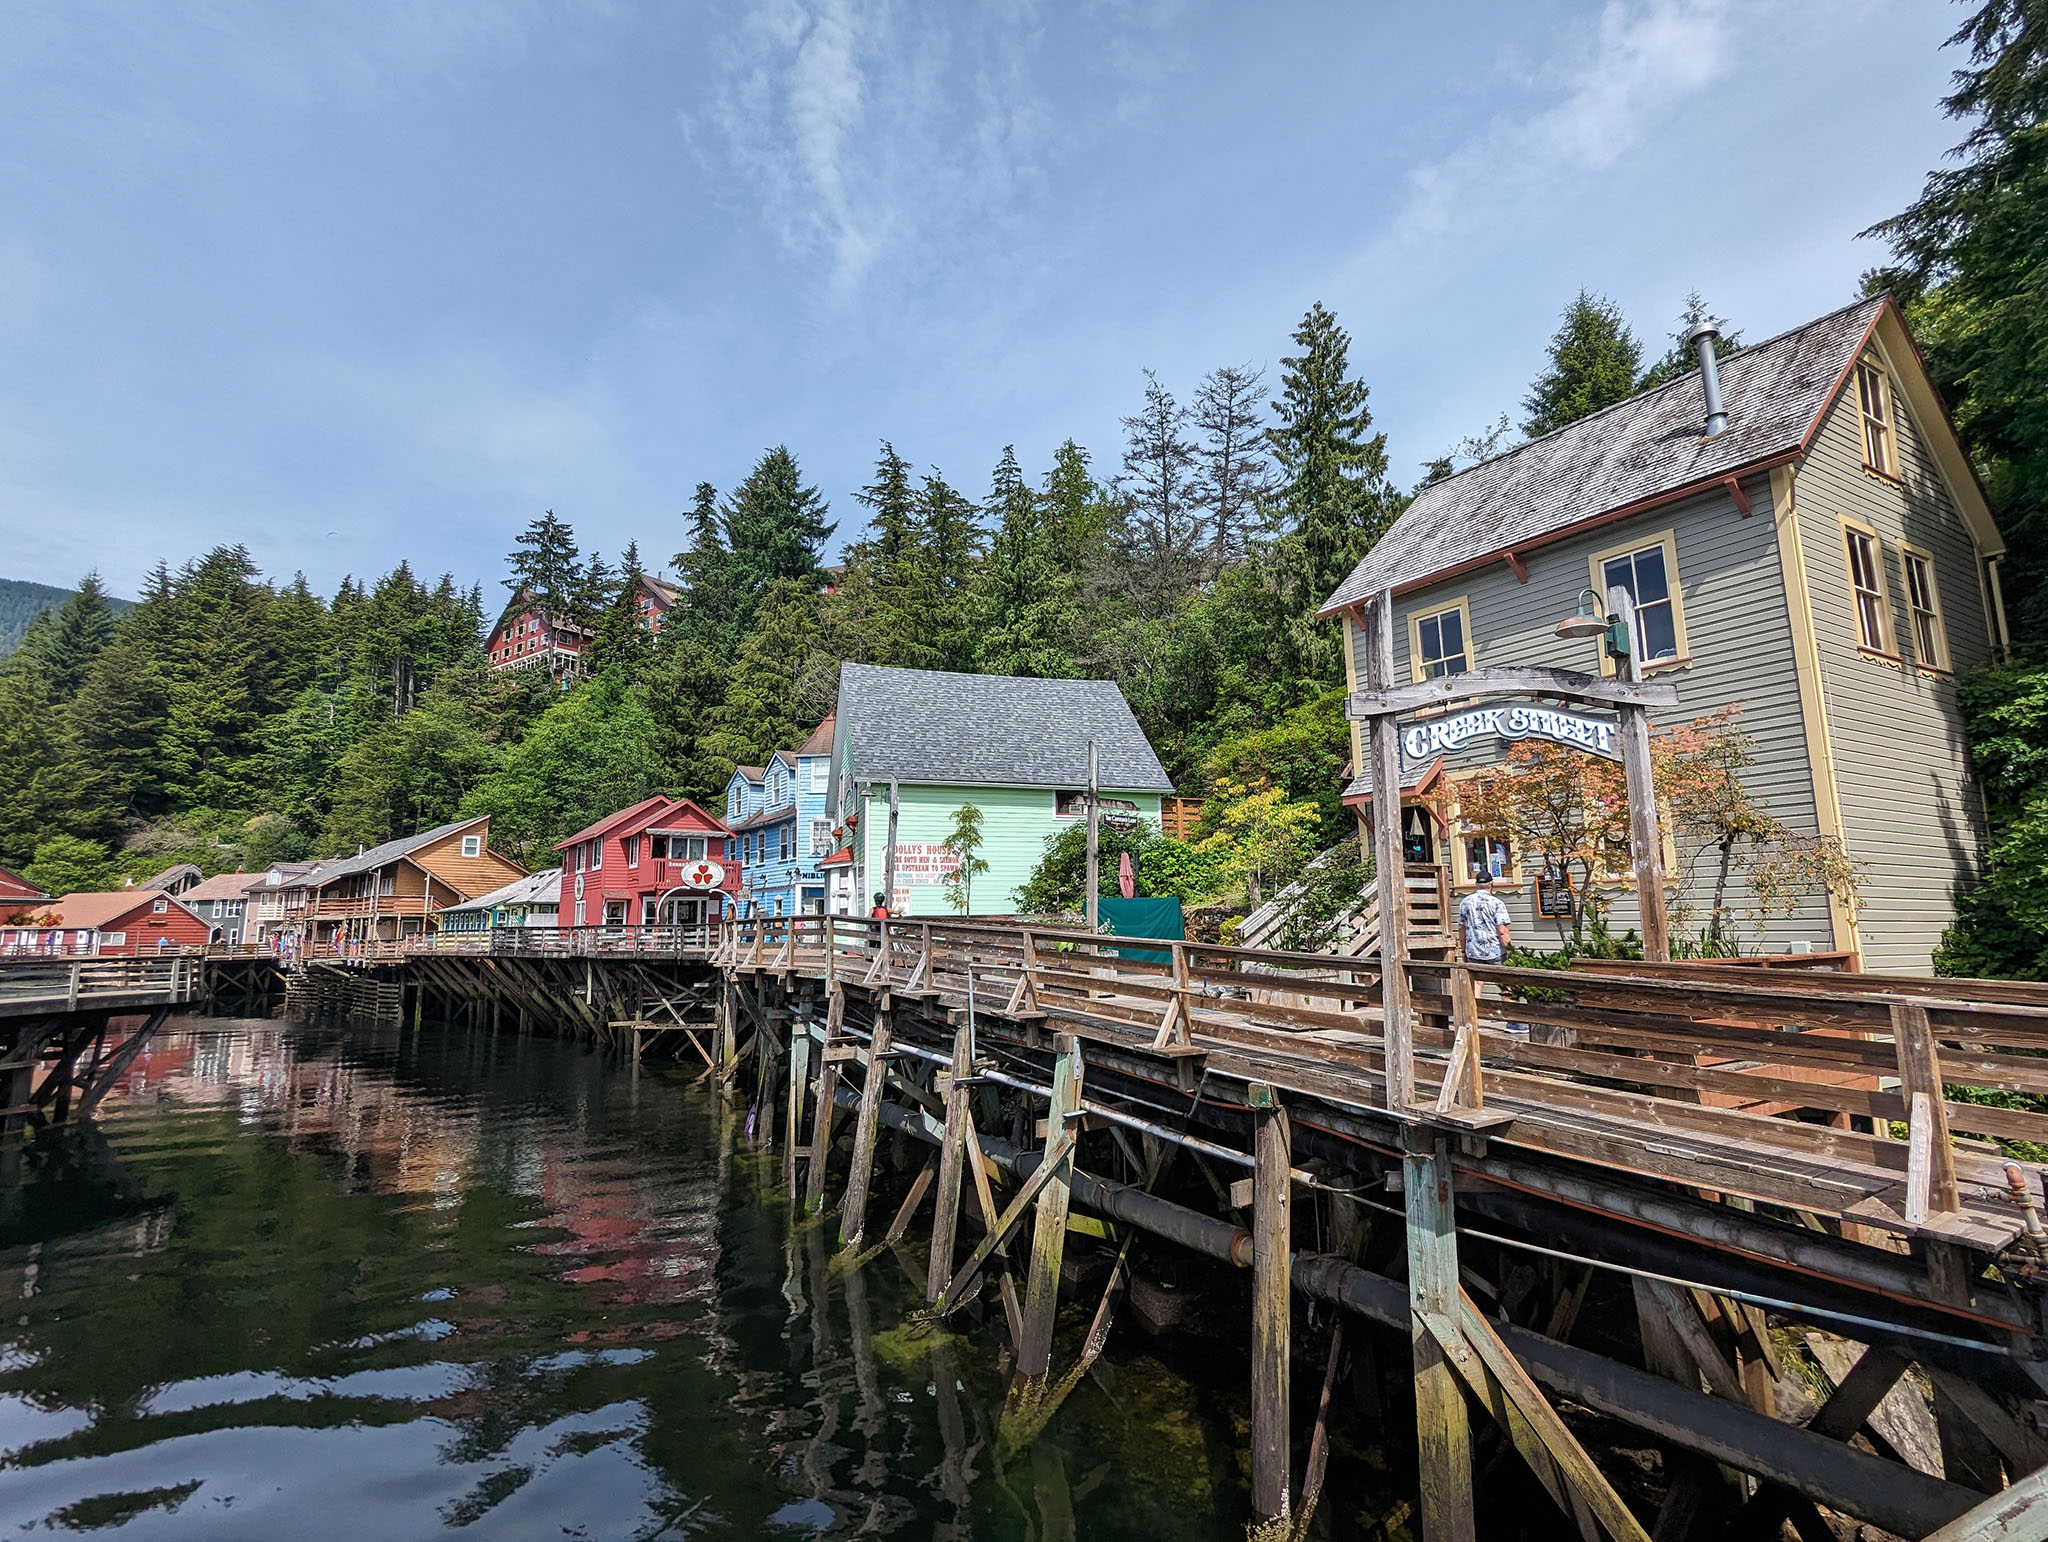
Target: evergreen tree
1025	603
1162	535
1971	251
764	708
1682	358
1078	513
1594	359
1334	499
707	611
1232	477
61	644
31	791
409	775
548	568
775	527
952	540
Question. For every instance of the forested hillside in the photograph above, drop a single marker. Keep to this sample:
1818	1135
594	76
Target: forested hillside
21	602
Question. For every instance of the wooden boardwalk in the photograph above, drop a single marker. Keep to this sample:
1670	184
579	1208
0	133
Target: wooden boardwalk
34	985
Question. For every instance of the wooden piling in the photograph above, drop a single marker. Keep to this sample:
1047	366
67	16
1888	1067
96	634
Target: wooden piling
1049	1237
799	1073
1272	1252
853	1213
952	1152
1443	1435
821	1097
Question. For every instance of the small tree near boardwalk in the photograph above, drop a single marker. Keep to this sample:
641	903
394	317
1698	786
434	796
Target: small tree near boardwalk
965	844
1572	809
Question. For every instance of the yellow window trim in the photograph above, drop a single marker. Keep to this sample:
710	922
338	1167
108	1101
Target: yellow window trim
1940	663
1888	400
1887	642
1597	581
1463	606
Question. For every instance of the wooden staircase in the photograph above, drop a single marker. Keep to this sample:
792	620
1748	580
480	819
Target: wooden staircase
1426	888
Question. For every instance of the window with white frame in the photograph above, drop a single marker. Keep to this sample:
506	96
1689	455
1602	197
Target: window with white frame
596	855
821	775
1650	575
1866	588
632	845
161	907
1441	642
821	837
1930	636
1880	434
472	845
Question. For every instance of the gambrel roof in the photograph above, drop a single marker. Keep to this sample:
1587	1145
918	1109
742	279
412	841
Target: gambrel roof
1648	450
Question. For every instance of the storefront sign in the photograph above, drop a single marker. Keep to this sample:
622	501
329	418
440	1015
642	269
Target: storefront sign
1596	735
925	862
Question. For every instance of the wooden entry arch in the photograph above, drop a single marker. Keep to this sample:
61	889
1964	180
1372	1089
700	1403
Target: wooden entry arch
1380	706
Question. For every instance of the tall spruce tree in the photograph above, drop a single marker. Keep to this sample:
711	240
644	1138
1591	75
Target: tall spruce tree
1025	603
1970	252
1233	477
1594	360
953	541
775	526
63	650
765	706
1333	498
548	568
1162	535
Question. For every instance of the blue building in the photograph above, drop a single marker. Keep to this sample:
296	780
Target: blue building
781	831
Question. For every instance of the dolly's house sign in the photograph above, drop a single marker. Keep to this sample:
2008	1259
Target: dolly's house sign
1597	735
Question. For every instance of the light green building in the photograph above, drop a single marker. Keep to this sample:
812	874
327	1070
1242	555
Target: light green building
1016	749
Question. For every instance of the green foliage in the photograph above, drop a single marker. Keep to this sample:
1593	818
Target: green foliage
1594	359
547	569
1059	884
64	864
764	706
964	841
596	750
1303	753
21	602
775	528
1970	254
1333	499
1178	868
1261	840
2001	924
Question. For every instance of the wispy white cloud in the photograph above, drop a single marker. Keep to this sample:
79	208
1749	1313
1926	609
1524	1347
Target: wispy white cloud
1598	97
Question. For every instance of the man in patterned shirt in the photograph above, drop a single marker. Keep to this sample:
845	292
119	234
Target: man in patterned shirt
1483	923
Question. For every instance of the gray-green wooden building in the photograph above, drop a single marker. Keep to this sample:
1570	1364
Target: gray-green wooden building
1828	561
1015	748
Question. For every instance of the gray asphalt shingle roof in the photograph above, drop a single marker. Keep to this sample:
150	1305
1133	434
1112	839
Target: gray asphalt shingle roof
922	725
1775	392
542	888
369	861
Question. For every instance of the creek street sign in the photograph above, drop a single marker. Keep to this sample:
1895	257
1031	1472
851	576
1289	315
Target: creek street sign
1575	730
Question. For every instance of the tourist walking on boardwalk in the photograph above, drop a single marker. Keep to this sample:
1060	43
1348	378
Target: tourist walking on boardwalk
1483	934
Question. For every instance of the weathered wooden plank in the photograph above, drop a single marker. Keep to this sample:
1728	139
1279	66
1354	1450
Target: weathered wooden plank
1384	750
1565	684
1931	1169
2020	1514
1049	1238
952	1152
853	1212
1443	1435
1272	1250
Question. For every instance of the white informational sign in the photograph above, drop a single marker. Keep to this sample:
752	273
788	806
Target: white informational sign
1595	735
924	862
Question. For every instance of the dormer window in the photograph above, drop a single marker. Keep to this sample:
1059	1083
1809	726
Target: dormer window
1880	435
472	845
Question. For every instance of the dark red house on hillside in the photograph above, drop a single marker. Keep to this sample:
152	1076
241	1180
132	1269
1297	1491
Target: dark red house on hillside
658	863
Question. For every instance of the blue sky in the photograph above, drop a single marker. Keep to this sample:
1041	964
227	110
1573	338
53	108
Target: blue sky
355	280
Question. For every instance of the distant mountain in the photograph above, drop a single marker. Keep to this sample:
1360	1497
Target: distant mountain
21	602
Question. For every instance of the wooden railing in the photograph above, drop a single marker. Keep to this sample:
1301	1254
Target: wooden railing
46	984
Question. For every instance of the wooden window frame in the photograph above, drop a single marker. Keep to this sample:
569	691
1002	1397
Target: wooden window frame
1596	580
1887	645
1872	369
1463	606
1939	660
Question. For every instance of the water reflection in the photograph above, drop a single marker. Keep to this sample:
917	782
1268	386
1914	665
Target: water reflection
393	1283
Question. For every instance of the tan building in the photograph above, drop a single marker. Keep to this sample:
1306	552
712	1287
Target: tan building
1827	563
394	890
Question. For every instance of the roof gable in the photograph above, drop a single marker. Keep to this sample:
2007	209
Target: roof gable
97	911
1644	450
924	725
390	851
619	823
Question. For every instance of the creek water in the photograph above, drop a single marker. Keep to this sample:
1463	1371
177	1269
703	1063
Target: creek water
310	1282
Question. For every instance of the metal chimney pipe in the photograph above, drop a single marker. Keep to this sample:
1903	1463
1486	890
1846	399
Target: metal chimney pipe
1703	337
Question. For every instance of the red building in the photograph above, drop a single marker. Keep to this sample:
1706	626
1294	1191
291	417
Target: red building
658	863
525	638
17	895
122	923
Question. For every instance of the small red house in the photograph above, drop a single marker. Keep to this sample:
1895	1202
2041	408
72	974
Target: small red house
17	895
122	923
658	863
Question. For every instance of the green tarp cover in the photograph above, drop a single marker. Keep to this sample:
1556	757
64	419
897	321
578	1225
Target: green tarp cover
1122	917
